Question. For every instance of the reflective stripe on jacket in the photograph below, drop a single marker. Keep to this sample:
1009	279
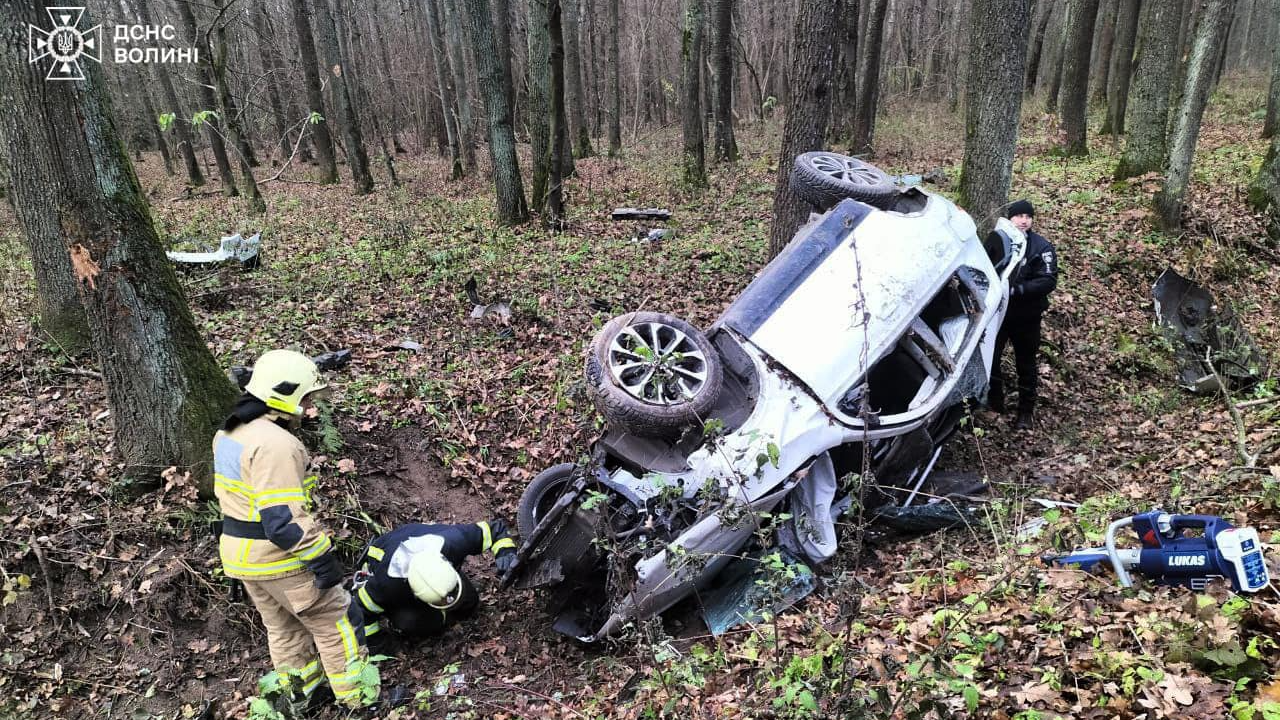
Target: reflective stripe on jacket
259	476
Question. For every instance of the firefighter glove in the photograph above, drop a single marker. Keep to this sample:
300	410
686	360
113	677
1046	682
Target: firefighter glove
327	569
505	560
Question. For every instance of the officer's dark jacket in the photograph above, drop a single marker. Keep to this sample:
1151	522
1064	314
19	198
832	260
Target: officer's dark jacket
387	590
1030	285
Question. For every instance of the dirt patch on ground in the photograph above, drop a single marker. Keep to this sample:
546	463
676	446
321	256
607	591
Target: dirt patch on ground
401	482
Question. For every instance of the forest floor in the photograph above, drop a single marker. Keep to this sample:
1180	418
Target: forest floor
113	608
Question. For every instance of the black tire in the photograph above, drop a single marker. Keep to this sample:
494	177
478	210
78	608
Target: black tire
540	494
823	179
671	407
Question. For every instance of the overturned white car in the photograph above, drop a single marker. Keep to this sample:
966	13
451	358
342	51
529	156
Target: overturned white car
855	349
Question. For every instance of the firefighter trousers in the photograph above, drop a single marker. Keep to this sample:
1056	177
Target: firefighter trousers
309	629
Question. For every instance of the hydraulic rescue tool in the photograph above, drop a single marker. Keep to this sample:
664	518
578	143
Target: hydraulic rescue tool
1186	550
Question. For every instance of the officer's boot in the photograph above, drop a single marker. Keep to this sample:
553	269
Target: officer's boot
995	396
1026	412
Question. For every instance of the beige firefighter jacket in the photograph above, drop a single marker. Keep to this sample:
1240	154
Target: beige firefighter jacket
260	466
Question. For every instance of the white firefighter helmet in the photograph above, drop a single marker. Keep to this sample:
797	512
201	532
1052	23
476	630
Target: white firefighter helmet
281	378
434	580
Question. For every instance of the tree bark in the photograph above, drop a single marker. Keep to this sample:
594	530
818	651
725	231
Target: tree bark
1075	77
231	121
539	121
170	104
573	71
1144	150
614	89
812	81
864	118
1121	67
1210	36
996	78
512	209
458	63
153	125
846	70
208	101
272	70
721	28
1037	46
501	12
1271	124
342	101
76	193
444	82
1264	191
350	36
693	168
1100	71
321	138
559	132
1058	61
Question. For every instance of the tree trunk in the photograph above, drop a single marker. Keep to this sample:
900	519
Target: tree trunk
512	209
1059	57
1101	62
844	108
342	101
208	101
559	133
812	80
1037	46
1075	77
614	90
1264	191
693	169
721	26
218	65
996	78
1210	36
575	90
272	70
321	138
461	87
864	118
75	192
1271	124
349	36
1144	150
170	103
1121	67
501	13
539	121
444	82
154	126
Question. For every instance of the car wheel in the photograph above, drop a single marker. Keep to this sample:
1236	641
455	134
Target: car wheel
542	493
652	373
823	179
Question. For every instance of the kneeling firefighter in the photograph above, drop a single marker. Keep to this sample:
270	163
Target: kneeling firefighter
410	578
270	541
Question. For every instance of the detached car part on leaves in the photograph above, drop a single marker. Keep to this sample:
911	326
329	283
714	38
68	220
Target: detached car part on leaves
856	347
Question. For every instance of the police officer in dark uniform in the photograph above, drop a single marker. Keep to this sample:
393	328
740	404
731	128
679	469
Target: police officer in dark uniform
1029	290
411	578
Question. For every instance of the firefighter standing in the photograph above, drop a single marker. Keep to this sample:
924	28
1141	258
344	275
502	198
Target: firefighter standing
1029	290
271	542
410	578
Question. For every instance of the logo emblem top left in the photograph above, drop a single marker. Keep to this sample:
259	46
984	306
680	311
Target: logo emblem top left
66	43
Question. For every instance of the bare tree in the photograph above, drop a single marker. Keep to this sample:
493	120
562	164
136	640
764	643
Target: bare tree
1210	36
613	93
343	102
230	116
575	91
811	79
539	120
693	167
1144	150
721	26
208	103
321	138
1121	67
1103	44
864	118
1036	50
994	100
444	83
559	135
1269	125
1075	78
76	192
